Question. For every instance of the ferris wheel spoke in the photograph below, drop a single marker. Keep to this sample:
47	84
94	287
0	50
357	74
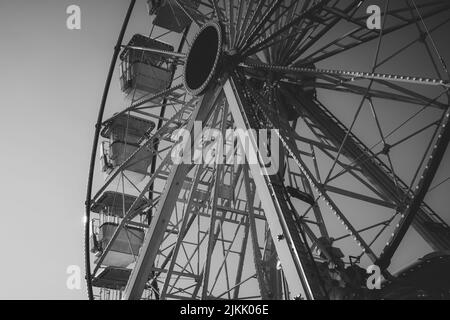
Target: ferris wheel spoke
237	26
251	35
127	218
308	17
373	156
152	99
417	132
154	236
217	10
258	261
386	147
271	201
404	190
306	14
243	19
169	94
165	130
393	175
360	242
339	85
297	39
291	148
229	9
437	185
247	31
226	253
170	256
239	231
338	15
429	101
278	43
431	40
361	197
137	282
163	52
353	170
352	75
411	43
183	231
362	35
305	31
134	186
321	29
234	287
413	207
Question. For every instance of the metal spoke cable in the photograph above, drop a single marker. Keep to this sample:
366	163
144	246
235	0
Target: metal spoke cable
349	130
402	49
380	131
370	149
354	75
444	65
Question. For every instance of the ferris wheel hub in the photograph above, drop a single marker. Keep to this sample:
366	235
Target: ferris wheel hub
203	58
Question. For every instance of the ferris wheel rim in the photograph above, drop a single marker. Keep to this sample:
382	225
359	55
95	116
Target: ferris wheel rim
198	91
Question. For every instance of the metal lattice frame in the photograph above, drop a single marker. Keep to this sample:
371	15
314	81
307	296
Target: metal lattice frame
229	231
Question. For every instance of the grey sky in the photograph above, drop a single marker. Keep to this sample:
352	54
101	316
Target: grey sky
51	85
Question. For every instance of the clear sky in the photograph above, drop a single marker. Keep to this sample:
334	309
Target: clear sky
51	86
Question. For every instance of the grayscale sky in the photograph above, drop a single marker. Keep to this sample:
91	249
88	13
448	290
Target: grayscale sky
51	85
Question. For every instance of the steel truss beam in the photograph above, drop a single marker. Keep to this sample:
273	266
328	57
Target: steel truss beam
376	173
154	235
413	208
297	267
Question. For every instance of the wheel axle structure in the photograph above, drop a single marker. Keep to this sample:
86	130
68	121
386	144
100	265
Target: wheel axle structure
274	150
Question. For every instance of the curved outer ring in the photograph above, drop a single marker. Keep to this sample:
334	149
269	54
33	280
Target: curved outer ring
98	124
204	86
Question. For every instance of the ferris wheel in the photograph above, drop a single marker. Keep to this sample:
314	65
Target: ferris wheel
341	132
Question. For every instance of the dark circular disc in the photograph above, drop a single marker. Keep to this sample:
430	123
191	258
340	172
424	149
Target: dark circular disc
203	58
